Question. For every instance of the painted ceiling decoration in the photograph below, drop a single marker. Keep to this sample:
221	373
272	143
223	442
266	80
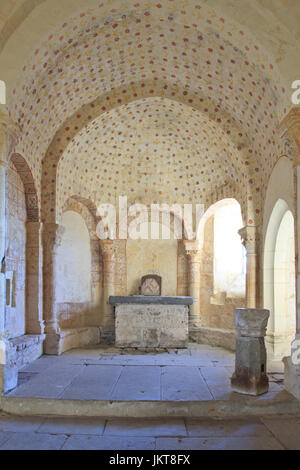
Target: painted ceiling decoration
173	89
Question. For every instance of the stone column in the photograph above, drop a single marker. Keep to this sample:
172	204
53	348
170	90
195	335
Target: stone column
194	277
109	261
290	131
34	298
52	234
250	376
8	138
249	236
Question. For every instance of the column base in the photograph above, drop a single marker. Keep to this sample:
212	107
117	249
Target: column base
291	377
57	343
250	376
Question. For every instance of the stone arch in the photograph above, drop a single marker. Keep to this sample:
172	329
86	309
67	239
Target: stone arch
87	210
33	250
281	328
124	95
32	202
209	213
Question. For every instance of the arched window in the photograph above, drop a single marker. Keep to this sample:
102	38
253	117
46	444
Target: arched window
229	253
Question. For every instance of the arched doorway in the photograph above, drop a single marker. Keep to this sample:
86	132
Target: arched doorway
279	282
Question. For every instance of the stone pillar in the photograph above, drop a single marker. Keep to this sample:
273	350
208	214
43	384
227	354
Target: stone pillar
290	130
34	298
8	138
194	275
249	236
52	234
250	376
109	262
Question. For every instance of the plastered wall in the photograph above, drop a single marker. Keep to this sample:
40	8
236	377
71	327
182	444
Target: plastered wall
15	253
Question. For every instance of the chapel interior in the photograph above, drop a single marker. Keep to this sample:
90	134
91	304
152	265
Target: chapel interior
161	102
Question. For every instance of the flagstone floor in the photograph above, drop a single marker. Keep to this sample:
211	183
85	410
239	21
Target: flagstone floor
199	373
105	373
33	433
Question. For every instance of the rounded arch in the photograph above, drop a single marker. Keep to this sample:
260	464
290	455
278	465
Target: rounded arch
279	285
31	196
87	210
210	212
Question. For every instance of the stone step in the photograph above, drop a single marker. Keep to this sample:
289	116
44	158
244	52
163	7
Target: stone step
243	407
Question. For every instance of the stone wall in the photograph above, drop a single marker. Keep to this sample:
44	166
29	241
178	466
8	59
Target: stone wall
152	257
15	253
74	272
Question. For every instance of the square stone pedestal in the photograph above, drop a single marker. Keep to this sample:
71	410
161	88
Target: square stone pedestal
145	324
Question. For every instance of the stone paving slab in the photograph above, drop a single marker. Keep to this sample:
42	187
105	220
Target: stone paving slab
50	383
33	441
109	443
197	443
73	425
4	436
181	383
20	424
138	383
93	383
147	427
250	427
287	431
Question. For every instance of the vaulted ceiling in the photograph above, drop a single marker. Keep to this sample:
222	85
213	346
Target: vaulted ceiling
211	79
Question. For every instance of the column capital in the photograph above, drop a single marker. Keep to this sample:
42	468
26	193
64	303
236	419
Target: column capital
192	248
250	237
108	248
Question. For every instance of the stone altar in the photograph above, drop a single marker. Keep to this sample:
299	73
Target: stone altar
151	321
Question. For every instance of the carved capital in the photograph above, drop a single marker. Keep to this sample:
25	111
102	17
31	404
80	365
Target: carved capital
192	250
250	238
108	249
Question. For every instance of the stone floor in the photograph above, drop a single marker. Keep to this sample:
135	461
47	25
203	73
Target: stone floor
200	373
105	373
33	433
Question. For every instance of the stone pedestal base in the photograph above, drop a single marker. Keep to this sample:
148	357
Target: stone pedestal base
250	375
151	326
57	343
291	377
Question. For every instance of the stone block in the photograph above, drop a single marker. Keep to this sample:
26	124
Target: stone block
250	367
151	326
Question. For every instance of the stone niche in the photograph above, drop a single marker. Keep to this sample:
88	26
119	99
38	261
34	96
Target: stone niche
150	285
147	322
